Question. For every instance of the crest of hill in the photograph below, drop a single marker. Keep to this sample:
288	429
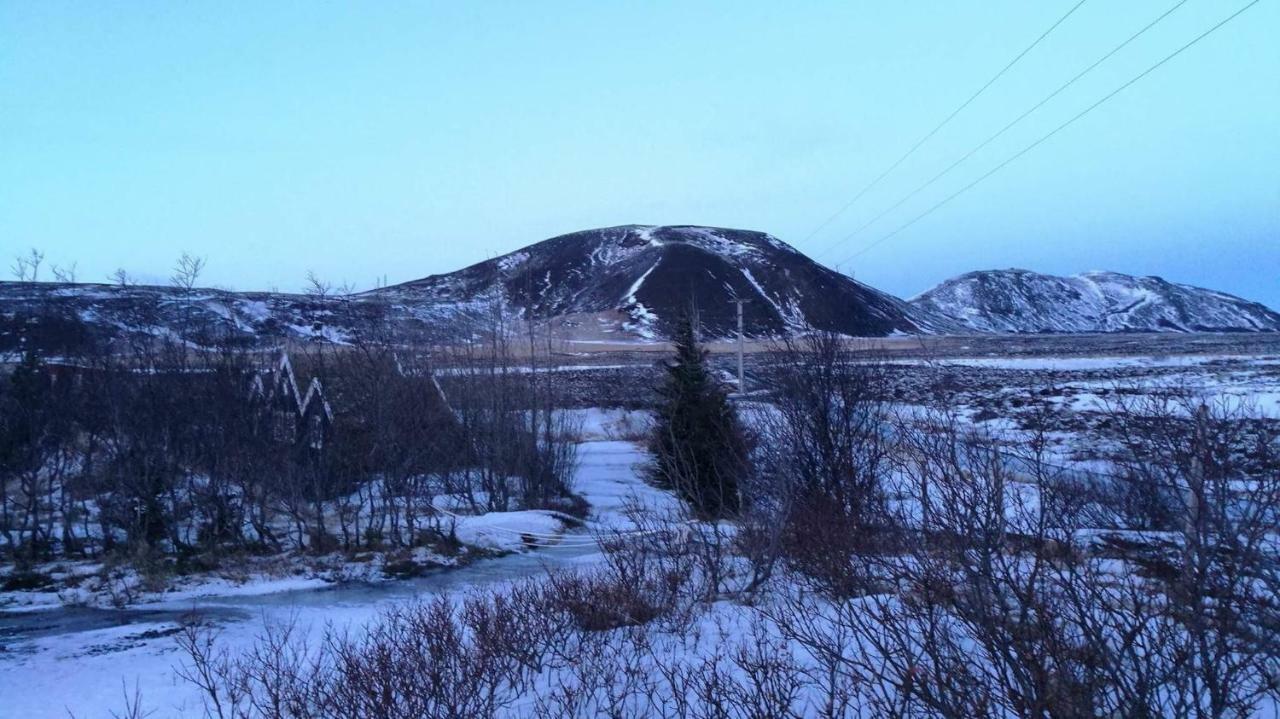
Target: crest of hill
652	274
622	283
1021	301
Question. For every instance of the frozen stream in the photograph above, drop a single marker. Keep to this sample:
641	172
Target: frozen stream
17	627
82	660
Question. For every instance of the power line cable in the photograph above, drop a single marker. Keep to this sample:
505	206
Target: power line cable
928	183
1051	133
940	125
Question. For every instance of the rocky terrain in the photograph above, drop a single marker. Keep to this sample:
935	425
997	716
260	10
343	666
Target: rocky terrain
627	284
652	275
1020	301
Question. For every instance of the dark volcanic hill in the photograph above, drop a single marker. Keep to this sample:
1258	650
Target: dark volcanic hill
652	274
621	283
616	282
1029	302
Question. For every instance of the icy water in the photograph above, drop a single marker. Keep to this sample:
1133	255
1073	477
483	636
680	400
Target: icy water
481	572
606	475
16	627
83	661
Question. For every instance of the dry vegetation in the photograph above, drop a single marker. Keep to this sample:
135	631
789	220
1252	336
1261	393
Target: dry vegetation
170	456
883	563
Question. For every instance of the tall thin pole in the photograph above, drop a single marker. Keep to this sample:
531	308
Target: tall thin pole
1194	488
742	388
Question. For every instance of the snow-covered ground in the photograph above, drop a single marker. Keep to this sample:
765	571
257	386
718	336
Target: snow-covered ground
82	661
56	660
1064	364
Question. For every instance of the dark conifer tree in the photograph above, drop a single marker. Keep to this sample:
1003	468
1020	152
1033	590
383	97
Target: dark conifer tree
699	446
26	411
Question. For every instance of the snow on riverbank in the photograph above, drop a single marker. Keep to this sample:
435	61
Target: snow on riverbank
91	583
48	671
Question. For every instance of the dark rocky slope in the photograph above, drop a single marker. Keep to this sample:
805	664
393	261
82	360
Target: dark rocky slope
1030	302
653	274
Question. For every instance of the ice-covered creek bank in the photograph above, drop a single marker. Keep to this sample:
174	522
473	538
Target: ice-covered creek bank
18	626
81	660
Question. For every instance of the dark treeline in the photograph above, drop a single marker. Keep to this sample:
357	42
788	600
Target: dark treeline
168	447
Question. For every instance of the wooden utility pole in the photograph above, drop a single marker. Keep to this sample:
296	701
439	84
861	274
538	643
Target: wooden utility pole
742	388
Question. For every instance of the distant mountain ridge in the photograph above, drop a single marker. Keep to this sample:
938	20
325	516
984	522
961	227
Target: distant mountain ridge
625	283
1021	301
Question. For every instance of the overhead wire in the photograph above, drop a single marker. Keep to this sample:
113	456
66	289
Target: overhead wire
1051	133
980	146
945	121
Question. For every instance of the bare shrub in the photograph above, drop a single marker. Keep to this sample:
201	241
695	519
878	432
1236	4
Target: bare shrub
190	445
1223	594
583	643
998	603
441	658
520	449
825	451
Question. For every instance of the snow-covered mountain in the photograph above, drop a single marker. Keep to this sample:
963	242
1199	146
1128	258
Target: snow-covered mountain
627	282
612	283
649	275
1021	301
57	316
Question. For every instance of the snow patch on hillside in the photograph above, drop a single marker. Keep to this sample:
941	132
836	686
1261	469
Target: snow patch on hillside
1096	301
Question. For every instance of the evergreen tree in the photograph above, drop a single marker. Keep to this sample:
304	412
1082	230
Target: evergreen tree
24	413
699	446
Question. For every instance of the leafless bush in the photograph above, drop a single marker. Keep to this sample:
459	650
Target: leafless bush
601	601
758	543
521	449
279	676
448	657
765	680
441	658
998	603
993	599
26	268
636	585
688	673
825	452
133	706
163	444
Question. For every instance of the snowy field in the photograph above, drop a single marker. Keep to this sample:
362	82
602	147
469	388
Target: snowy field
58	661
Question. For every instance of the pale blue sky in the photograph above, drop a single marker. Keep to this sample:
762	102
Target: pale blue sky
397	139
